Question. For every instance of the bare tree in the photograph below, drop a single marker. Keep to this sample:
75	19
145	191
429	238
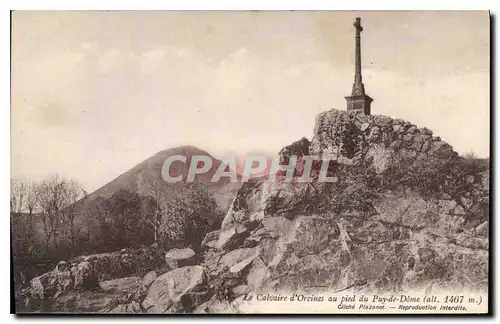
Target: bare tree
158	191
100	211
23	200
56	198
17	195
31	198
73	193
87	216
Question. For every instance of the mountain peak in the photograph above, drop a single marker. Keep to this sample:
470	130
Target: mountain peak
148	171
187	150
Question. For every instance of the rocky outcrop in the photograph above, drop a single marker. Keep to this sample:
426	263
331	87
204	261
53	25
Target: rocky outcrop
109	295
177	291
180	290
124	263
130	301
149	278
283	237
350	138
75	286
54	283
84	273
416	246
85	276
50	284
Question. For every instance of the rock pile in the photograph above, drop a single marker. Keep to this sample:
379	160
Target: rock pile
350	138
85	272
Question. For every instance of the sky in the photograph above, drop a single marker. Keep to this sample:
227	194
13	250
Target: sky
96	92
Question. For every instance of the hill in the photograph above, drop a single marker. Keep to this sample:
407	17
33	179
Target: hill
147	174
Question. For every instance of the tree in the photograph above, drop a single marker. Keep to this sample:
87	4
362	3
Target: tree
120	221
158	191
23	202
88	219
20	194
130	218
73	193
23	199
100	210
189	212
16	196
57	197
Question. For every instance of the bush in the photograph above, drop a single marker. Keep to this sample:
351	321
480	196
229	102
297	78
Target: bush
463	180
187	215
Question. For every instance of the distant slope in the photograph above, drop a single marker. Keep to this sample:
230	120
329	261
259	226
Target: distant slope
139	178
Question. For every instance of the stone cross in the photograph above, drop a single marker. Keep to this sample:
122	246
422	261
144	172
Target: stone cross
358	79
358	101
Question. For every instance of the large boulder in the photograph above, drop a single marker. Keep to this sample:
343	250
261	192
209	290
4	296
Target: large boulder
179	290
53	283
109	295
238	259
176	258
84	273
44	286
216	306
149	278
124	263
211	239
85	276
130	308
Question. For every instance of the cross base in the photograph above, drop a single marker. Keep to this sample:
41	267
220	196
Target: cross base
359	103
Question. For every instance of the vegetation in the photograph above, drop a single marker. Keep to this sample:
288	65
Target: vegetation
43	220
465	180
121	221
55	220
357	187
187	215
351	140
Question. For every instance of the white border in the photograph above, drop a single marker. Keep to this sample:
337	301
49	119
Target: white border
248	5
6	5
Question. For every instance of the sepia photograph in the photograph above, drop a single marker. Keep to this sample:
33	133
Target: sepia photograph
250	162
